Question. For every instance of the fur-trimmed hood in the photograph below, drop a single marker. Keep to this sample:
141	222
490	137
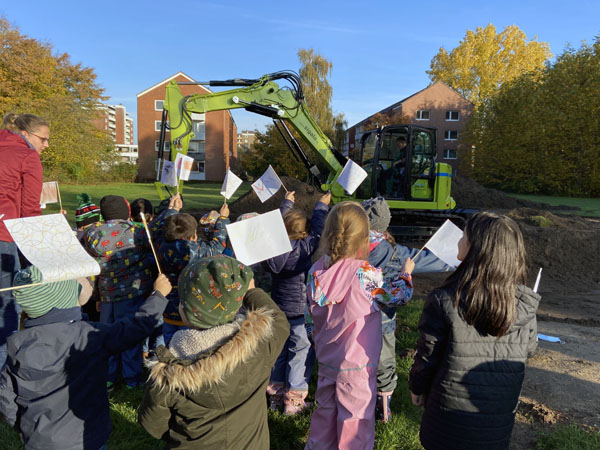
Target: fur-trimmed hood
214	360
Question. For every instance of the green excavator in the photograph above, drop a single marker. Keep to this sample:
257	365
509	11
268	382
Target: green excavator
400	160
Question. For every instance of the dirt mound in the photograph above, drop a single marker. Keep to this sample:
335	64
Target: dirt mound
566	248
306	197
469	194
538	412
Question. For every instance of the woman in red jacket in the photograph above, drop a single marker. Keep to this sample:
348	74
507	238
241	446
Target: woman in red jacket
22	139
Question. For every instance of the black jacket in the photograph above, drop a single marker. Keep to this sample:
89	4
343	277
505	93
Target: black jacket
53	386
471	382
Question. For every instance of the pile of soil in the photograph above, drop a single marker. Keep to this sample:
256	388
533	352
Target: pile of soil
305	198
469	194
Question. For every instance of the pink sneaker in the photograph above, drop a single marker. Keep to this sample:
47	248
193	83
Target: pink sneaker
294	402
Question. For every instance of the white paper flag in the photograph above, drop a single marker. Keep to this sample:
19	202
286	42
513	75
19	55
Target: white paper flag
444	243
168	175
267	185
259	238
184	165
231	183
49	193
351	177
49	244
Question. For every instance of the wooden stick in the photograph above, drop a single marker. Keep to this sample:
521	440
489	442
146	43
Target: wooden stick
150	240
537	281
59	199
415	257
19	287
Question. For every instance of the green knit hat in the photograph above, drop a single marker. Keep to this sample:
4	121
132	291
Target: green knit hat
87	212
211	290
38	300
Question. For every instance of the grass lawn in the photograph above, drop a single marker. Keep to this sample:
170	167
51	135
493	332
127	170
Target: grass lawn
588	206
290	433
195	195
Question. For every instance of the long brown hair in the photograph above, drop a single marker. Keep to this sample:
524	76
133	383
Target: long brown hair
346	233
295	224
484	283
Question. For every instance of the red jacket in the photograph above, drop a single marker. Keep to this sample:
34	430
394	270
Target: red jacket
20	180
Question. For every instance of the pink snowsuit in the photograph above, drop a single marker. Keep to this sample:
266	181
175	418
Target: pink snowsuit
343	303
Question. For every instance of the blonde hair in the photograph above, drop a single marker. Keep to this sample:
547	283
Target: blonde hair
346	233
23	122
295	224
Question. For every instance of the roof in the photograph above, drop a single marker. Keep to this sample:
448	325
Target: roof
399	104
169	79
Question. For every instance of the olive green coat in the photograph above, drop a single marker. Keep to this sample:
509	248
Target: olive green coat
218	400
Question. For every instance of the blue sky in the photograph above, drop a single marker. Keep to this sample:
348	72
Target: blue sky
380	50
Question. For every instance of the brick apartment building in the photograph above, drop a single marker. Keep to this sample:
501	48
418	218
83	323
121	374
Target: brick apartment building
213	146
115	120
437	106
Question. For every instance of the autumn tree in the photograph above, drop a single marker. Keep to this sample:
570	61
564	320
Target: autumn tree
34	80
540	132
485	59
381	120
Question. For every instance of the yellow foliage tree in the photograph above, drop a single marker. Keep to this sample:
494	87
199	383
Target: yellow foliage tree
34	80
485	59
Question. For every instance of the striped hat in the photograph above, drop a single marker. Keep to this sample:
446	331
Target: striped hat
87	212
38	300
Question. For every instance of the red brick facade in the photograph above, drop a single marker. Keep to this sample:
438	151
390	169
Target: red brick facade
219	140
437	106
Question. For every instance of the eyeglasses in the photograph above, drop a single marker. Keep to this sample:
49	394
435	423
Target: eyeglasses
43	139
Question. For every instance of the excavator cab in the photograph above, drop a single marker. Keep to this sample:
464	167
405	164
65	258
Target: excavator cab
400	163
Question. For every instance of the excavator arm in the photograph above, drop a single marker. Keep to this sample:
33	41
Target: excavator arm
285	105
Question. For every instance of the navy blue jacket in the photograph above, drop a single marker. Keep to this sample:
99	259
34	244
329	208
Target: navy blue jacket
289	270
53	386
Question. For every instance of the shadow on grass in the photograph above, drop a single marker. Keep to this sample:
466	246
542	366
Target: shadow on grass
126	433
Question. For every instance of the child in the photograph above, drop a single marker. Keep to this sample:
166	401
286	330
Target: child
53	387
477	331
288	385
86	214
207	390
178	245
385	254
141	205
127	270
344	291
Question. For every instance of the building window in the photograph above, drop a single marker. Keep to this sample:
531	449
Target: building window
200	166
157	125
422	114
450	153
167	146
159	105
452	116
451	135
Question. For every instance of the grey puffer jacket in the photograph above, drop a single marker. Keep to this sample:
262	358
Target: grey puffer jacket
471	382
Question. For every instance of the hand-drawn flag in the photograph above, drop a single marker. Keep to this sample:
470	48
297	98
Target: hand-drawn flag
48	242
231	183
50	193
267	185
184	165
259	238
444	243
168	175
351	177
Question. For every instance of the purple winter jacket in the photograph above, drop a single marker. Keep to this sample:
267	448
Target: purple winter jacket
288	271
